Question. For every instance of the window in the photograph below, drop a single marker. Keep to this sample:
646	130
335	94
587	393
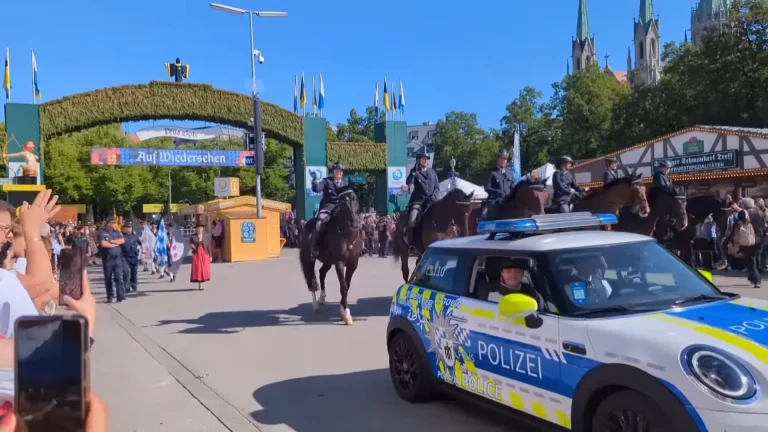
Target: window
487	280
578	64
413	136
641	50
430	134
443	270
636	276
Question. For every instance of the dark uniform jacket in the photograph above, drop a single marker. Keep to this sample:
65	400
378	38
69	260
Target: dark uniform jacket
425	185
114	252
500	184
661	179
562	183
610	175
384	229
330	189
369	229
130	248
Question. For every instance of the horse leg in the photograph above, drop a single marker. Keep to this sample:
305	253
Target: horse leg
343	306
404	253
350	268
322	272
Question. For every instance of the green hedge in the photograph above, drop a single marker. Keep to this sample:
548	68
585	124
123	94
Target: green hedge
358	156
165	100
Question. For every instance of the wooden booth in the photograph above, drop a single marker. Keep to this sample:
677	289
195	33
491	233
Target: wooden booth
246	238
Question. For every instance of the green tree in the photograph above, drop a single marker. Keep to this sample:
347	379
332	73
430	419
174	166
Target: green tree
359	128
539	129
459	136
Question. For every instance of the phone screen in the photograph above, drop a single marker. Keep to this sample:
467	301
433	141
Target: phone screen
71	262
51	373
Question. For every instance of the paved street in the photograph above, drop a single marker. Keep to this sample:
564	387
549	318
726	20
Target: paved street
249	354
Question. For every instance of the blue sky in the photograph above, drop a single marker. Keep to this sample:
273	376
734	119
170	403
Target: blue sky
450	55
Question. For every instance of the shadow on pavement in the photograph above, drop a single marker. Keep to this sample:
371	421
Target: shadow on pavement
358	401
237	321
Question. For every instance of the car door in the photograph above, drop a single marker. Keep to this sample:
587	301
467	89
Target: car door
523	364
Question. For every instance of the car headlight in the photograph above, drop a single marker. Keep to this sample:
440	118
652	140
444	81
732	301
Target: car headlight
720	373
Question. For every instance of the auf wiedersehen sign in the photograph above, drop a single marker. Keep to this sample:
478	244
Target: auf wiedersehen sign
171	157
701	162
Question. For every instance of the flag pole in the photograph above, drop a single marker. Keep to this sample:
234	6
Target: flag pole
34	95
8	56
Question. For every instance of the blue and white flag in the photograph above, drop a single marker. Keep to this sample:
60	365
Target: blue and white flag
37	94
161	245
516	150
321	102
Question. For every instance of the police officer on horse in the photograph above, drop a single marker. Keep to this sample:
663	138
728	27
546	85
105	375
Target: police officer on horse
611	170
499	186
425	187
661	177
330	187
564	185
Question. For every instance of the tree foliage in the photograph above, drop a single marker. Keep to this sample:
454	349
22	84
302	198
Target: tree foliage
69	173
474	149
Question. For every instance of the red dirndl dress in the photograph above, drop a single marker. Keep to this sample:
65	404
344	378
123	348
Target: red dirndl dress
201	262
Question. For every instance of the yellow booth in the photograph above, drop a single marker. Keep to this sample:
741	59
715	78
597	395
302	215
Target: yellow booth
246	238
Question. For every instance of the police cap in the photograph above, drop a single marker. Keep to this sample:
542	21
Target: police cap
610	159
110	219
337	166
503	153
518	263
665	164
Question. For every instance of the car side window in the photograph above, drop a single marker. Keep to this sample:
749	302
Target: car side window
444	270
488	283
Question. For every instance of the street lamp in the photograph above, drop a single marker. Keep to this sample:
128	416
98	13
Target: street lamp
253	53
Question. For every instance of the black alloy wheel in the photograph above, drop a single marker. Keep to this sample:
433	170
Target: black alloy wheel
630	411
407	369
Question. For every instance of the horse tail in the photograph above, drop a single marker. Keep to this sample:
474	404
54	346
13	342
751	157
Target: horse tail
306	260
396	241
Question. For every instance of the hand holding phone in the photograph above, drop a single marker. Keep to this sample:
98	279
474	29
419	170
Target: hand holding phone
51	372
71	263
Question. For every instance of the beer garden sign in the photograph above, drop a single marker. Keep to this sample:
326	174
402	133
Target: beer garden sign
690	163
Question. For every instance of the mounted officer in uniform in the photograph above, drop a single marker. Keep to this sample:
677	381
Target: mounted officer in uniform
423	183
612	170
330	187
564	185
499	186
661	176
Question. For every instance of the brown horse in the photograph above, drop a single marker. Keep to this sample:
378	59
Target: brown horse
665	206
624	191
528	198
341	247
447	218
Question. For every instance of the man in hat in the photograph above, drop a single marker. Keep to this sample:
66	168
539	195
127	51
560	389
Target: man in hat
611	172
110	240
512	271
661	176
330	188
424	186
130	250
564	185
499	186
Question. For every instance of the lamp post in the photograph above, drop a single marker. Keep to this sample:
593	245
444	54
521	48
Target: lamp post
256	103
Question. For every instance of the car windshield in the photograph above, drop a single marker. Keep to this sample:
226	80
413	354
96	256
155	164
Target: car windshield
627	277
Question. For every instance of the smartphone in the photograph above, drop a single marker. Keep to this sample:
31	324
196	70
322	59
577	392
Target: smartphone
71	263
51	373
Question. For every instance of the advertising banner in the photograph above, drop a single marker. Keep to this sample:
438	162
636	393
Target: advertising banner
314	173
395	180
701	162
170	157
247	232
196	134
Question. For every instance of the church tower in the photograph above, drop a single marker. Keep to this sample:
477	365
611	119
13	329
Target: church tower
584	51
708	13
647	44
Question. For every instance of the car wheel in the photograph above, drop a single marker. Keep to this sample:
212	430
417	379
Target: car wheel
629	411
409	370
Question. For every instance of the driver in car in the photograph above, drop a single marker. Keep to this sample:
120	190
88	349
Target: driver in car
588	286
512	270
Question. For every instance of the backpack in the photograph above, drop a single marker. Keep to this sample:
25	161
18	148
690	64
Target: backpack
744	234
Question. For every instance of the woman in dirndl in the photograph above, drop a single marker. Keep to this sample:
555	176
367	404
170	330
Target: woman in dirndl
201	258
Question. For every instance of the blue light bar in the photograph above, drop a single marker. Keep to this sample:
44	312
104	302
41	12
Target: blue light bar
547	223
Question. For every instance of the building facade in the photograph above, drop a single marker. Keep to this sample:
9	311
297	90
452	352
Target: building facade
708	14
713	160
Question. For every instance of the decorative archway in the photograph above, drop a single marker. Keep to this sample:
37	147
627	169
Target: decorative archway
165	100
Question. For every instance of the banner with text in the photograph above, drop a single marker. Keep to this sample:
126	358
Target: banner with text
395	180
169	157
196	134
701	162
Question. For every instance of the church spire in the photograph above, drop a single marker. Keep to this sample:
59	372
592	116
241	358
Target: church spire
646	12
629	60
582	23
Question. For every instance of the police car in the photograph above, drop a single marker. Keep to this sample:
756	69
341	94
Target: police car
604	331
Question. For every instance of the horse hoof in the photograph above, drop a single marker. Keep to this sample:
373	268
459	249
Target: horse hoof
321	301
348	320
315	306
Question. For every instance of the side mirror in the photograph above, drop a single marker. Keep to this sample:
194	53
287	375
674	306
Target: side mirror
707	275
517	306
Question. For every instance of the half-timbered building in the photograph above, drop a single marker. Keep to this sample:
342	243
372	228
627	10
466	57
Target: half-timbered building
705	160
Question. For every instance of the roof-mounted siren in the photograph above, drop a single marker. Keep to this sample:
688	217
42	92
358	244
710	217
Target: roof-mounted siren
547	223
